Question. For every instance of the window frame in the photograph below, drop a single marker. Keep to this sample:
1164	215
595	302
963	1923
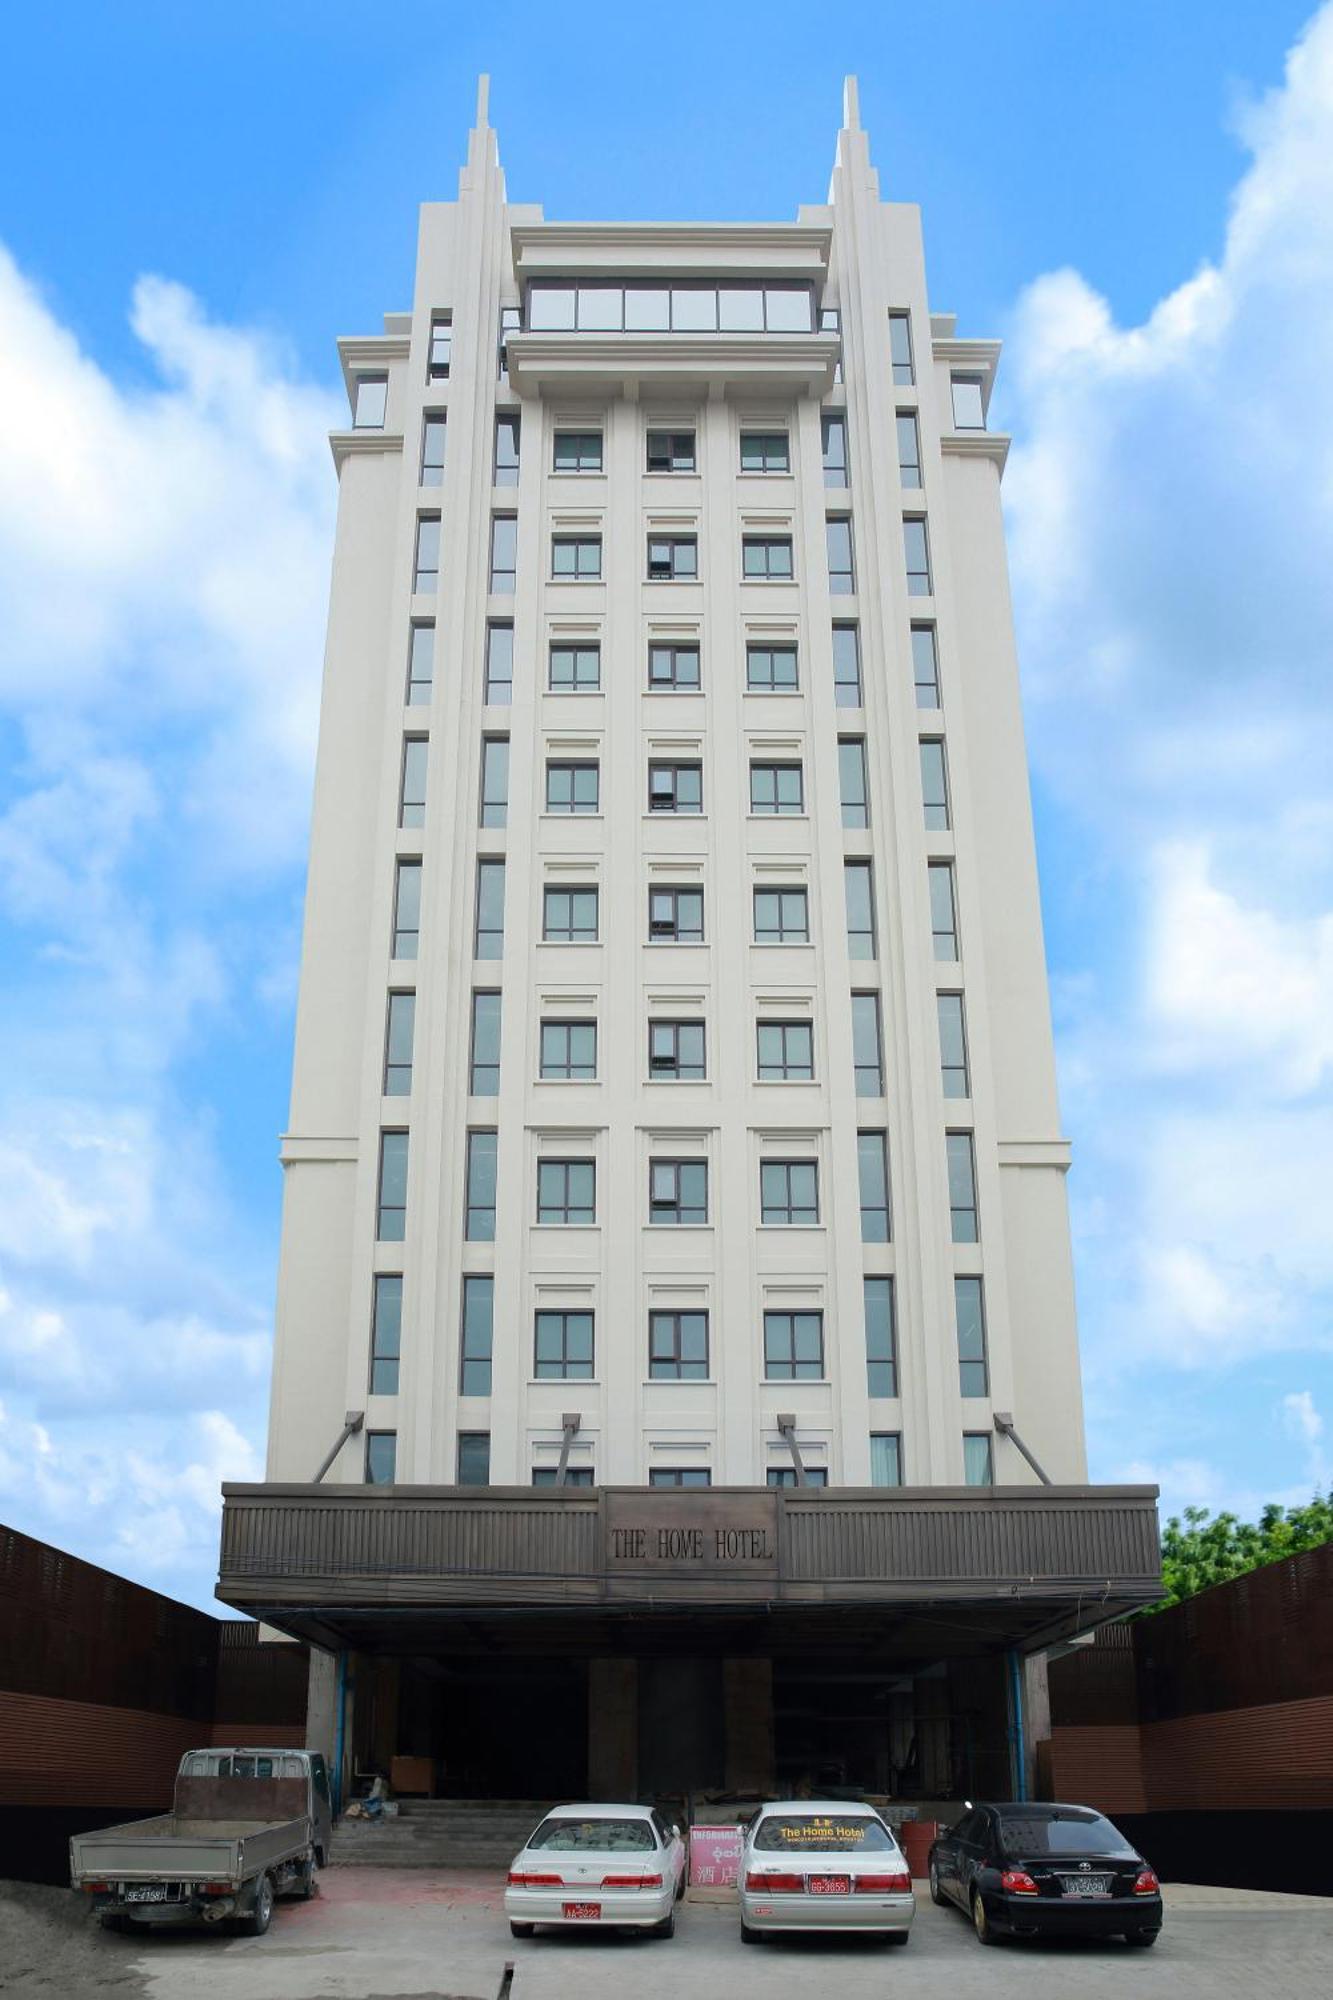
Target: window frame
780	891
425	575
961	1170
554	1177
675	935
676	652
791	1366
490	869
974	1386
370	422
575	1370
440	347
568	1069
662	1069
772	650
873	1188
574	767
841	577
927	684
673	1364
493	784
902	352
855	810
858	888
571	889
779	1207
505	465
471	1438
840	679
874	1013
672	567
837	468
407	874
676	1212
789	1071
881	1335
765	440
420	690
474	1065
434	427
502	579
393	1166
675	766
780	808
907	430
768	546
386	1332
414	766
962	1069
580	470
920	580
476	1166
397	1076
377	1459
671	453
493	682
584	547
578	650
476	1335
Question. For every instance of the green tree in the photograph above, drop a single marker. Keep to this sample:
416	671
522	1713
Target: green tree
1199	1549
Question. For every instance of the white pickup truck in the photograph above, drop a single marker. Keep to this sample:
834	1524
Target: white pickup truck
246	1827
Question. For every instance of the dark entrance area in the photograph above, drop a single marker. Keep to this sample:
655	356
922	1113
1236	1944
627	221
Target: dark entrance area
682	1734
484	1727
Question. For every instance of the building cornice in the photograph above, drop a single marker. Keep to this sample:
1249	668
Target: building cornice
697	249
359	444
1055	1153
799	362
365	353
976	444
299	1148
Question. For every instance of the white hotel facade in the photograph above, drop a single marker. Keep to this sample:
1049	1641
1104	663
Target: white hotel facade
674	1100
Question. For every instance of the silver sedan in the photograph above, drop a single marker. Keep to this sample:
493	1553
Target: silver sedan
597	1865
823	1866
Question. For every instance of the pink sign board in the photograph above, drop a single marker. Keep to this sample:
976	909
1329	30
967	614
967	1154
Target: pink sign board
715	1856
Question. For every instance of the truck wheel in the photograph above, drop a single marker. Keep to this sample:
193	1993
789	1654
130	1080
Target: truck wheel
261	1915
121	1925
306	1885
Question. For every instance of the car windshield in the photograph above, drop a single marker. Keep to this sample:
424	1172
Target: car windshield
593	1836
1060	1833
780	1832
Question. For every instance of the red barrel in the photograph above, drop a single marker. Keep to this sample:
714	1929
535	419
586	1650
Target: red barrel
915	1837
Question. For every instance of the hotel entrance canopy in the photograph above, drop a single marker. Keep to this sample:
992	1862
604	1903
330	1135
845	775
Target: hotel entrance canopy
937	1569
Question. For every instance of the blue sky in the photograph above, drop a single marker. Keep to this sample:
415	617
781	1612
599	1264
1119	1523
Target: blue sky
194	203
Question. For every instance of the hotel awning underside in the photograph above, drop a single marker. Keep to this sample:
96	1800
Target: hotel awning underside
912	1573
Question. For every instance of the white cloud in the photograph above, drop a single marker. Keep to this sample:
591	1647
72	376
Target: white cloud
164	552
1170	502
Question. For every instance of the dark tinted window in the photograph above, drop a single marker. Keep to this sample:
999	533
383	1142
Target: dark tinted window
1068	1832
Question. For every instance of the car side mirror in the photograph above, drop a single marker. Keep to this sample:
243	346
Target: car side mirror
675	1833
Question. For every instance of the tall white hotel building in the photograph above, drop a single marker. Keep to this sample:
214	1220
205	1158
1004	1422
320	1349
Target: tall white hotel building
674	1140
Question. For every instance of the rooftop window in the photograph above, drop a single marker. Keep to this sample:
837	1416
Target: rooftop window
645	308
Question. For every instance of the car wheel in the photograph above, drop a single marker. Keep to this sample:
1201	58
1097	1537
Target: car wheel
749	1935
260	1917
521	1930
1141	1937
667	1927
896	1937
981	1923
936	1893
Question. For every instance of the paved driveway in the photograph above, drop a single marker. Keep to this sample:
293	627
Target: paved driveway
376	1932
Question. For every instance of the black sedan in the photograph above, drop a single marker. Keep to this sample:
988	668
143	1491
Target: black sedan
1038	1870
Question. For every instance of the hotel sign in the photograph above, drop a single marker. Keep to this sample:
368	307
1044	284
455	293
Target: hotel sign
724	1537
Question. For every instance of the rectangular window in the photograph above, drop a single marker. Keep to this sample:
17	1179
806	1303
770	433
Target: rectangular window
381	1457
673	668
786	1051
398	1044
420	665
789	1193
978	1458
489	940
872	1166
569	916
765	451
881	1338
567	1191
407	910
372	395
962	1186
432	450
943	913
886	1458
392	1219
511	321
676	1051
494	804
671	451
916	549
386	1333
830	321
678	1193
841	568
953	1045
484	1064
852	781
577	451
474	1458
900	349
770	669
563	1351
575	1475
441	347
867	1045
678	1346
426	568
858	891
835	451
576	558
675	788
969	410
781	916
971	1316
478	1334
909	450
679	1475
934	785
793	1347
572	787
676	916
925	666
506	449
776	788
846	666
785	1475
499	685
766	558
482	1151
673	558
569	1051
575	669
412	786
504	554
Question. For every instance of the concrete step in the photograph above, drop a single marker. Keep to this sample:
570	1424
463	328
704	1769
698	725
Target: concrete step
440	1833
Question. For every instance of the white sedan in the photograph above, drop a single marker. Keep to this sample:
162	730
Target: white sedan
602	1864
812	1865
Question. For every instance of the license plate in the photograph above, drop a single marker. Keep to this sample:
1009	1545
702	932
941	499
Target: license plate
584	1910
146	1892
829	1885
1086	1885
